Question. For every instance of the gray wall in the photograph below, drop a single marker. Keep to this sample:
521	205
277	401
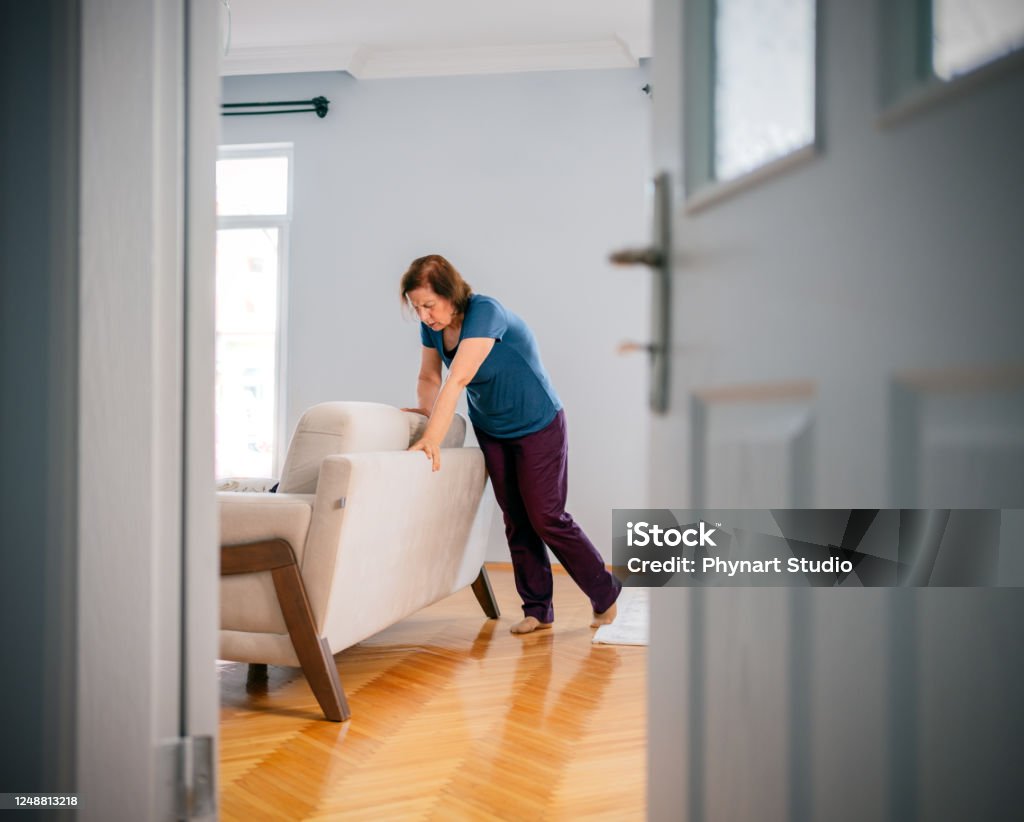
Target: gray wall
525	182
39	297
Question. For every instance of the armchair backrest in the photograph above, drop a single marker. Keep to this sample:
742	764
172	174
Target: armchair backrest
347	428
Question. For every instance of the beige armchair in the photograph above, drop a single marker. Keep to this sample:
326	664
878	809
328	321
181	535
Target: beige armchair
360	534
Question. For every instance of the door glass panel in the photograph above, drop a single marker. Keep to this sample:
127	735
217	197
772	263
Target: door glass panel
969	33
763	82
247	294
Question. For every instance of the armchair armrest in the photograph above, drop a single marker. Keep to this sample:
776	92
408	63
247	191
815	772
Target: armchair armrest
249	601
254	517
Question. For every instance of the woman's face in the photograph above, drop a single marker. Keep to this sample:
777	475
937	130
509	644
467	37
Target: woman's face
434	311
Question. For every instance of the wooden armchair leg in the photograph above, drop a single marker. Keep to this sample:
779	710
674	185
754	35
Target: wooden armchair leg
312	650
485	595
257	678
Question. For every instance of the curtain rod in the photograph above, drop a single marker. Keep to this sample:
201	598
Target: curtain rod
317	104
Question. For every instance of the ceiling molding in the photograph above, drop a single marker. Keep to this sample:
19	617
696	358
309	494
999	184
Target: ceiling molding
372	63
287	59
638	44
388	63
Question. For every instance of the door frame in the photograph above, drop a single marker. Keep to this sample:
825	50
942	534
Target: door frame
147	577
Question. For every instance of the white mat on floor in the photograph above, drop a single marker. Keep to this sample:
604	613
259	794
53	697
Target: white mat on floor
632	624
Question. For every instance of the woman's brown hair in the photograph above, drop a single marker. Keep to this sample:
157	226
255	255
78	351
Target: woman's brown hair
436	273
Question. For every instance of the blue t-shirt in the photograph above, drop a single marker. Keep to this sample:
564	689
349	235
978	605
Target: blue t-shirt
511	394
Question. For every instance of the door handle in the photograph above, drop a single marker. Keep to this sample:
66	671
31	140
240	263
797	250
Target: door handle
656	257
651	256
631	347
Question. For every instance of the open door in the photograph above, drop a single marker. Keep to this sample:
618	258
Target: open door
146	606
846	292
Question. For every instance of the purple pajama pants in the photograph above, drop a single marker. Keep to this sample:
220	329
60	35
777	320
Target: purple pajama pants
530	477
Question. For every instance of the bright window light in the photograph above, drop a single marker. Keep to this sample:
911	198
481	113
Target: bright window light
252	199
252	185
764	82
967	34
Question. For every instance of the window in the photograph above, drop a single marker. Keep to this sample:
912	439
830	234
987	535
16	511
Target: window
967	34
929	46
253	212
764	82
749	81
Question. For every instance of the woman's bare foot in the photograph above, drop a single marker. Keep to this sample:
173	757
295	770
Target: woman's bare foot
529	625
604	618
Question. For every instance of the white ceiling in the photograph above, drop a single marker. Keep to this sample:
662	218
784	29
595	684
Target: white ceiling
409	38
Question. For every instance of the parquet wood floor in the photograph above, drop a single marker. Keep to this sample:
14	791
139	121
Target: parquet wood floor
453	718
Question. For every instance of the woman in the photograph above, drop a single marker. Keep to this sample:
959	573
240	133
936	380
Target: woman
520	425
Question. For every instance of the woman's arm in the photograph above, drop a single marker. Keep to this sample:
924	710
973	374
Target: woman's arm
472	353
429	382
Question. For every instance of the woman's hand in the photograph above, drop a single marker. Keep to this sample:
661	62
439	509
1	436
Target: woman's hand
417	411
472	352
431	448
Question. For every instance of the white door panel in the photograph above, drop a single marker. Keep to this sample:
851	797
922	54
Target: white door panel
846	334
